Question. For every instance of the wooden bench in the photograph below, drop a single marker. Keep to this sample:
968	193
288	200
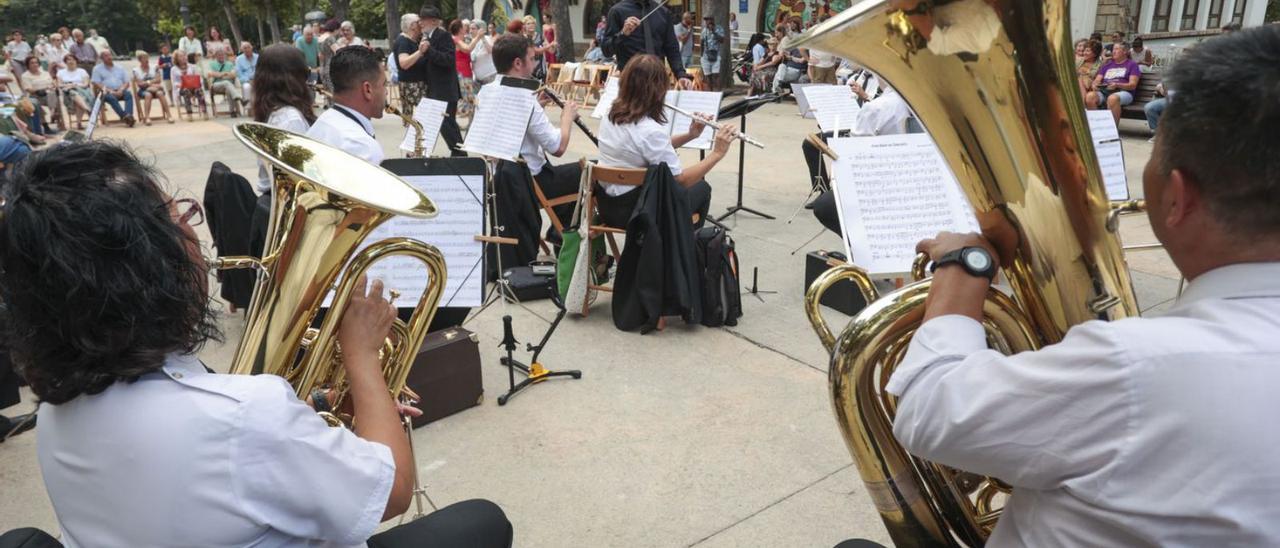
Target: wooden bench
1145	93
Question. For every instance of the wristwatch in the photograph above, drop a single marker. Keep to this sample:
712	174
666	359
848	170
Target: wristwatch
975	260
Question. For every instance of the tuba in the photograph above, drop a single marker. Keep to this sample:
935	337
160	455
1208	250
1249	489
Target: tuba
994	82
325	202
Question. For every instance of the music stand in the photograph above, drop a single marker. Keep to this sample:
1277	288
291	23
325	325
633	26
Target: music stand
741	109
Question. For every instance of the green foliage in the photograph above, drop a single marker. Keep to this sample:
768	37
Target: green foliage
1273	11
120	21
370	18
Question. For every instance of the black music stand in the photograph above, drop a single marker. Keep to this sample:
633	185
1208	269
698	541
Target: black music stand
741	109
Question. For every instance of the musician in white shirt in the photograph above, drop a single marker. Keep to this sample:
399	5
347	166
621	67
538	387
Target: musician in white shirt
513	56
634	135
283	99
1157	431
138	443
359	94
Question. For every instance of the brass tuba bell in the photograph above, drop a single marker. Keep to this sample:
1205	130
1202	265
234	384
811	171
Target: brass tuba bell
994	82
325	202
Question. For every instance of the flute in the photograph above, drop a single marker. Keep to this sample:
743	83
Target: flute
716	126
577	119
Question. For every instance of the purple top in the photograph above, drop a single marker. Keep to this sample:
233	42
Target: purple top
1119	73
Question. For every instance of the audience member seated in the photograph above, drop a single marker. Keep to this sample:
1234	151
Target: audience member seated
1142	55
765	66
222	81
38	85
794	68
1155	108
12	151
113	81
1115	83
1089	53
149	79
633	135
76	95
246	66
188	83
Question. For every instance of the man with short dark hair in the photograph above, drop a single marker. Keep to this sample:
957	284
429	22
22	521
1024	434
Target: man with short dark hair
359	94
1151	431
513	56
657	36
442	75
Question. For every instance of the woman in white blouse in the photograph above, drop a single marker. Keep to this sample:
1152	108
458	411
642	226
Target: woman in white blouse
282	98
74	82
38	85
635	135
190	43
149	79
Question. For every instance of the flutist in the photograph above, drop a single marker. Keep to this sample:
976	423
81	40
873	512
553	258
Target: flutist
634	135
513	56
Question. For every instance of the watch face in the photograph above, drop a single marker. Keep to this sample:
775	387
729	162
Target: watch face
977	260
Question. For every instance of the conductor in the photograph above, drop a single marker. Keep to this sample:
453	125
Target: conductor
656	36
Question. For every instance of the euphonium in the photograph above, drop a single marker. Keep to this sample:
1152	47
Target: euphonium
994	82
325	202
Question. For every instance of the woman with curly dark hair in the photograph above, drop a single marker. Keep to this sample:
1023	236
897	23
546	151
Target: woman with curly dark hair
282	98
106	296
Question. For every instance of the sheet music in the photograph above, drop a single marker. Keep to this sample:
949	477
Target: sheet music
498	125
453	232
705	102
1106	142
94	114
893	191
797	91
832	104
607	97
429	113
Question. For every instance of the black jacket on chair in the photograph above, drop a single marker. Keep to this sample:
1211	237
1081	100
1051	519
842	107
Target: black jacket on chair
229	202
658	271
518	214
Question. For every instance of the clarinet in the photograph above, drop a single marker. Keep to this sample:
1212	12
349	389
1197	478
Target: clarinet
577	119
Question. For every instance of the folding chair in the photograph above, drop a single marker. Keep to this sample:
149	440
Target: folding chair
226	99
548	205
194	100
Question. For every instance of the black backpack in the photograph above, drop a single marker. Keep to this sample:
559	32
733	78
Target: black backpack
718	262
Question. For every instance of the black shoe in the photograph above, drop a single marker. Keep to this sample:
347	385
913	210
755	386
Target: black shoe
11	427
810	203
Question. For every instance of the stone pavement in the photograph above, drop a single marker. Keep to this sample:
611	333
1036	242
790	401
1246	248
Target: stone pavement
688	437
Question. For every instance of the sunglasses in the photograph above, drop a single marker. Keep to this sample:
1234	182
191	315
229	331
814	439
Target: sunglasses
189	211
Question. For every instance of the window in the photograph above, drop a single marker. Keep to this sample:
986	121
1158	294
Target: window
1215	14
1160	18
1237	13
1189	9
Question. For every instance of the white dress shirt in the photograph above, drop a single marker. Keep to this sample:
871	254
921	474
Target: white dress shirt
1155	431
884	115
288	119
182	457
352	135
635	145
540	135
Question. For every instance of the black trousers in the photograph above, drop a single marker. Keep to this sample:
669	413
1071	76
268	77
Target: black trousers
557	181
824	208
472	523
813	157
616	210
450	131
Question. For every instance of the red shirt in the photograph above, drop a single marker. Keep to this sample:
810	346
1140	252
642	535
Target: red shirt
463	58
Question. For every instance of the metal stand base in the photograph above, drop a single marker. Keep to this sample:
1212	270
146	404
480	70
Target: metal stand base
742	161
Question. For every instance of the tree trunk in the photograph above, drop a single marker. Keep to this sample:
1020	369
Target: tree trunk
262	31
564	30
273	21
466	9
720	10
231	22
393	22
182	8
340	9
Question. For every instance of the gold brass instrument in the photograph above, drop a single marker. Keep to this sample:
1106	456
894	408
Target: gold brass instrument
418	151
994	82
325	202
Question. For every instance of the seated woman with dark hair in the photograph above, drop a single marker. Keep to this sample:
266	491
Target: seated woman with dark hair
633	135
282	98
107	305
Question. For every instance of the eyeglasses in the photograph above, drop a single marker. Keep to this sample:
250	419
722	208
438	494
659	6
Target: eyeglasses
189	211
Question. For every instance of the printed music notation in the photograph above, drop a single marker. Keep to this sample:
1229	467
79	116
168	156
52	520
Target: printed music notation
452	231
834	106
706	102
498	125
1106	142
893	191
429	113
607	97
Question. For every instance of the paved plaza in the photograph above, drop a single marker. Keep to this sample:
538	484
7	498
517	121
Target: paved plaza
688	437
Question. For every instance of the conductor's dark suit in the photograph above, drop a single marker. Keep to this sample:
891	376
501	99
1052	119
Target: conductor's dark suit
442	84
